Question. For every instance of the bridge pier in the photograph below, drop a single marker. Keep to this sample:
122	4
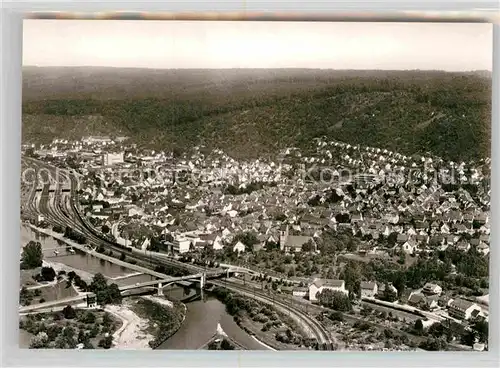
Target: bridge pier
203	280
160	289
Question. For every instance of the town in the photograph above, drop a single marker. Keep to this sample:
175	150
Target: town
389	251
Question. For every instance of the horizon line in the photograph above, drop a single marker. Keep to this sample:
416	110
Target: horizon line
255	68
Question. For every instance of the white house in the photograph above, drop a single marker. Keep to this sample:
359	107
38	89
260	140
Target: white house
239	247
432	289
463	309
368	289
145	244
226	233
483	248
318	285
218	245
409	247
300	292
181	245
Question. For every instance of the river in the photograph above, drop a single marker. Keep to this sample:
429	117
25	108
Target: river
202	316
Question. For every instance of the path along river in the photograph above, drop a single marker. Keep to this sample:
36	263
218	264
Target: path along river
202	316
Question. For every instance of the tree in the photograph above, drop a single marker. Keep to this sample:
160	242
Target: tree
226	345
47	274
336	316
335	299
81	336
88	318
69	312
433	345
105	229
98	283
352	277
106	320
114	294
389	295
32	256
25	296
39	341
481	328
308	246
247	238
106	342
419	327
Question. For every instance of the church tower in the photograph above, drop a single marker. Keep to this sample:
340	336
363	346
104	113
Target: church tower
283	236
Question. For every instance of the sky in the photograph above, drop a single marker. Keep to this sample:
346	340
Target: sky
205	44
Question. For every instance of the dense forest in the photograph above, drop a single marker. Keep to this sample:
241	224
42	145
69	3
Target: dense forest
248	112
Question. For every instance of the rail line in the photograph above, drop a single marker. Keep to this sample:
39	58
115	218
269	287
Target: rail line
313	325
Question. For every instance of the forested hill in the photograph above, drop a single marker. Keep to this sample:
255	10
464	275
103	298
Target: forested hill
255	111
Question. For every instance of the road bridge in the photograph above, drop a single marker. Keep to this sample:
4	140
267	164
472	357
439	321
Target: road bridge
158	284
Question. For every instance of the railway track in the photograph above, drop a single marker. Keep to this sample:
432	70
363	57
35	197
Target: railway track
314	326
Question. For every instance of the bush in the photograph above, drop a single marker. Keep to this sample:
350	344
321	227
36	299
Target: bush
337	316
69	312
388	334
106	342
88	318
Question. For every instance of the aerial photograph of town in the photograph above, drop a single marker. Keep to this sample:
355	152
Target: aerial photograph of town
197	185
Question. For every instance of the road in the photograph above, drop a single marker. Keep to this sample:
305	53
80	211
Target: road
54	303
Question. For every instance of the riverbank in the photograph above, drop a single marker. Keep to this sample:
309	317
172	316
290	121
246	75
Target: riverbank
132	335
269	326
165	317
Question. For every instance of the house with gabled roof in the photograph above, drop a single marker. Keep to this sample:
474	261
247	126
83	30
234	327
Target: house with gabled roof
318	285
422	301
409	247
462	309
463	246
483	248
402	238
368	289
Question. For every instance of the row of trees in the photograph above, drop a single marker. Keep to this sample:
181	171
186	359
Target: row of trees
105	294
74	235
335	300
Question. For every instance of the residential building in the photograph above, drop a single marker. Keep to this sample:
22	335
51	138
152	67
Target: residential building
300	292
368	289
432	289
318	285
293	243
181	245
462	309
422	301
239	247
110	159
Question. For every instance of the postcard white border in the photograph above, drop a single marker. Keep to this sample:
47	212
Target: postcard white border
10	109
